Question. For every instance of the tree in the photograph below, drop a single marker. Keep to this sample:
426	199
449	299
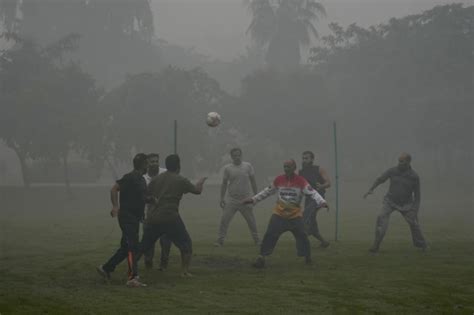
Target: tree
285	26
45	103
144	107
116	36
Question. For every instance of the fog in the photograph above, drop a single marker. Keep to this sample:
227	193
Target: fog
218	27
74	112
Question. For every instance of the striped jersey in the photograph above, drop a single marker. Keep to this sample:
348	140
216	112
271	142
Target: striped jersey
290	193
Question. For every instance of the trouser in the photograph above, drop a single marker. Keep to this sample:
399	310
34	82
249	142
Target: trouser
410	215
174	230
277	226
310	220
165	245
128	246
228	213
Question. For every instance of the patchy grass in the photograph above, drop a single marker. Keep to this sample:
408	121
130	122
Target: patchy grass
49	248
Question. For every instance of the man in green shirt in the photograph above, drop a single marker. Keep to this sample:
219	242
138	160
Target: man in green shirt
163	218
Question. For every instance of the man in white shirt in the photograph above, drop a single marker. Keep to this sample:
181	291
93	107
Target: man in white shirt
154	170
239	183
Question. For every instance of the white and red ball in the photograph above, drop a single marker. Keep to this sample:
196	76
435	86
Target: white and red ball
213	119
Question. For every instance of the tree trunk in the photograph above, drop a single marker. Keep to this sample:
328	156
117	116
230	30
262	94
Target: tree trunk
24	168
112	168
66	174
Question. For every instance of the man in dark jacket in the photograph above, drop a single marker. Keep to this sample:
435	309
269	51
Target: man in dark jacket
404	196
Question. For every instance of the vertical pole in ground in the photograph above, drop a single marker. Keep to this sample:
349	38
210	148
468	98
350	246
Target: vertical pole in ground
175	137
337	180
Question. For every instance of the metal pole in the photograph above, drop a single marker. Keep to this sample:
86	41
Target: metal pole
337	180
175	137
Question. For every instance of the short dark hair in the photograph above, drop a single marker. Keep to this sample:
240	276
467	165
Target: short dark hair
173	162
310	153
152	155
235	150
139	161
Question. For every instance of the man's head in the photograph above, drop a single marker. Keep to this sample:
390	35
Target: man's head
289	166
153	163
173	163
236	155
308	158
404	161
140	162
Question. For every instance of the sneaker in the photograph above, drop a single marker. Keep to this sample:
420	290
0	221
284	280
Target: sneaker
308	260
218	244
259	262
373	250
101	271
186	275
163	267
425	248
324	244
135	283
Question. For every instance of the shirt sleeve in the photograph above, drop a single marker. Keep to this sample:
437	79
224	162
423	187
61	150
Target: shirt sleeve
311	192
251	170
188	186
265	193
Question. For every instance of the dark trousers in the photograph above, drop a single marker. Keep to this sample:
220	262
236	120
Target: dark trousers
277	226
165	245
310	220
128	246
175	232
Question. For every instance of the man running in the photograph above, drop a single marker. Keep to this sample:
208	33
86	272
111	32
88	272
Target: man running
287	212
132	190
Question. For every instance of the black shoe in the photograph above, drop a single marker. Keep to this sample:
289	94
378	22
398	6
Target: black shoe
148	264
308	260
163	267
373	250
259	262
324	244
101	271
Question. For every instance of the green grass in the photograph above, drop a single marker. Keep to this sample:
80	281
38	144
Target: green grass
49	248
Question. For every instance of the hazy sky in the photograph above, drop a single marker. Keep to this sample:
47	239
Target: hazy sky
217	27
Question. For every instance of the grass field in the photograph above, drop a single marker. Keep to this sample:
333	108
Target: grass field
49	248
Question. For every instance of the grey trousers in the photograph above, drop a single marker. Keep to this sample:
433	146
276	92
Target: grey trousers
230	209
410	215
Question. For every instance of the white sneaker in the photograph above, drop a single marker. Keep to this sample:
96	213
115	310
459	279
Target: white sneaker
135	283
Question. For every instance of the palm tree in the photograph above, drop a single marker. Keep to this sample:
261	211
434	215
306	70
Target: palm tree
285	26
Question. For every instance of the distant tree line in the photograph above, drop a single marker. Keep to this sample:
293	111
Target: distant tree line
403	85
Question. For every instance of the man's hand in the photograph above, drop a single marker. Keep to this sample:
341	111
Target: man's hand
325	205
222	203
370	192
201	181
247	201
114	212
319	186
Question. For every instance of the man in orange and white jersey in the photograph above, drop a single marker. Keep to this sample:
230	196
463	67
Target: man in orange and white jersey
288	215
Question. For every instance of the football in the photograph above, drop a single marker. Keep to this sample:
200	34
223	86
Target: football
213	119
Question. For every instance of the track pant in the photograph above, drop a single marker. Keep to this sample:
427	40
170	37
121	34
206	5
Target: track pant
411	216
276	227
230	209
130	227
